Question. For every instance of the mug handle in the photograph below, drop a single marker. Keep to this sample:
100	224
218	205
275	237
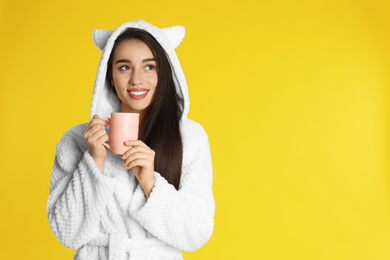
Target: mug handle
106	144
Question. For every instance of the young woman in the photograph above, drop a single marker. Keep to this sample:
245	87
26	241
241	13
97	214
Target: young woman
156	199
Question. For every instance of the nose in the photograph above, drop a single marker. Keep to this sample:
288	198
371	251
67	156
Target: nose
136	77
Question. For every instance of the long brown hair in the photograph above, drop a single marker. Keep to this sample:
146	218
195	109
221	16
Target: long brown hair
160	127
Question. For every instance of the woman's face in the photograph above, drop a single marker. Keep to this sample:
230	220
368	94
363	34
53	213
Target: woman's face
134	75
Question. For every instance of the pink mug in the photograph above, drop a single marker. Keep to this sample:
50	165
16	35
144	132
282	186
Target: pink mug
123	127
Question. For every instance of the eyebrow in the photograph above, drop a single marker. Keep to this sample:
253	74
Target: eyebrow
129	61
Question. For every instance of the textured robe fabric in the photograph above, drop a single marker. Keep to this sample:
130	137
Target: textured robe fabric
105	215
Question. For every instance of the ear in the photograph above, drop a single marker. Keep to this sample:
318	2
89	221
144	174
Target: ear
100	37
175	34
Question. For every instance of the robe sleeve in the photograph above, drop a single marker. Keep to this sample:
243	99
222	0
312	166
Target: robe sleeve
78	192
182	218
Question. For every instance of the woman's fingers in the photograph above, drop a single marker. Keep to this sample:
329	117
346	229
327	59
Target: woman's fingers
97	120
136	149
135	157
138	162
103	138
140	158
141	153
136	143
91	122
95	130
136	153
95	134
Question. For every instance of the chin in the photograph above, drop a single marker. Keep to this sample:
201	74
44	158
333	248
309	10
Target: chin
138	109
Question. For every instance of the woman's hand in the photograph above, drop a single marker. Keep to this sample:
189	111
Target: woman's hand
95	134
141	159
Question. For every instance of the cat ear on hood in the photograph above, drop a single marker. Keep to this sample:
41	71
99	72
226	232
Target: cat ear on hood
175	34
100	37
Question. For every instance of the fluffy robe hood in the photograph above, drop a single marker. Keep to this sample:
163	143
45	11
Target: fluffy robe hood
104	100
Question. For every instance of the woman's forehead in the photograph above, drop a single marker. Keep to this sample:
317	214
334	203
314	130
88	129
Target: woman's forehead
132	48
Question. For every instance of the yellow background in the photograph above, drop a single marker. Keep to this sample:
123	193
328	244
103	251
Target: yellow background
294	96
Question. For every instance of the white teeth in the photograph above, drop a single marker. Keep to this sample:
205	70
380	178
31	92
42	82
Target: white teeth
138	93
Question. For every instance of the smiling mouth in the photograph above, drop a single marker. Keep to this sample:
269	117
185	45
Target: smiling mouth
138	93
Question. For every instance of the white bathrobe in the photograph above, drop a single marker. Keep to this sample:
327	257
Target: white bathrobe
106	215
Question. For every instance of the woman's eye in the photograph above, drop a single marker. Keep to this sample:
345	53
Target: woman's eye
124	67
149	67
